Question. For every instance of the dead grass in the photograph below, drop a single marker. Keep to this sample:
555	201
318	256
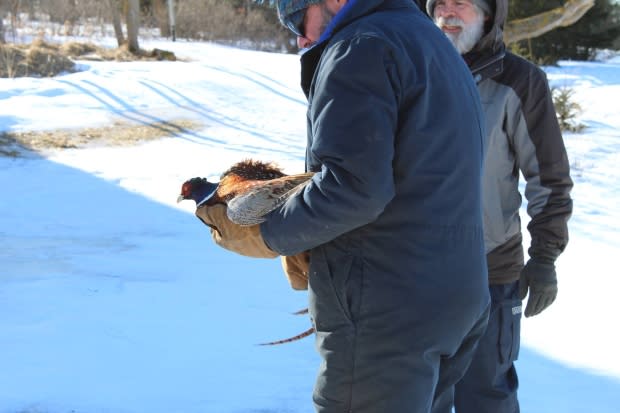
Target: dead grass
15	144
32	60
41	59
44	59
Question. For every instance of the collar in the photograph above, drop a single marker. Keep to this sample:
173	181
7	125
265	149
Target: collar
485	64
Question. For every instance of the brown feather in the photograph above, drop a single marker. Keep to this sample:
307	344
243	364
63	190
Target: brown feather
242	175
251	189
261	197
254	170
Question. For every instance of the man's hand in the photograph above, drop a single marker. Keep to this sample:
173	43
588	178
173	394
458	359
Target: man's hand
296	270
540	279
244	240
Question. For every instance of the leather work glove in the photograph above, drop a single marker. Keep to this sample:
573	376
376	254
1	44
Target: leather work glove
296	270
244	240
539	277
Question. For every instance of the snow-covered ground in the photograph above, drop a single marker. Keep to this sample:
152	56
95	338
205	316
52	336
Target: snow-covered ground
113	298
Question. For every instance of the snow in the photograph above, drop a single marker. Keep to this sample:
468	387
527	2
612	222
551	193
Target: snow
114	299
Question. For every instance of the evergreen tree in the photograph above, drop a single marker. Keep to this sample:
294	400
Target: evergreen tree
598	29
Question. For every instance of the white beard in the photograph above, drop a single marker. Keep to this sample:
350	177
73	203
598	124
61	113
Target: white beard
469	35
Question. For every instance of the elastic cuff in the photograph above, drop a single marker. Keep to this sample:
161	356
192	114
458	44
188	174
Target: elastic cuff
544	254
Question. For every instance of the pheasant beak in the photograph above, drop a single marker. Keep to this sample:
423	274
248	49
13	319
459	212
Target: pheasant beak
180	198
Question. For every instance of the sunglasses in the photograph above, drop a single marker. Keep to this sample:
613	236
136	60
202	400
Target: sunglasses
295	22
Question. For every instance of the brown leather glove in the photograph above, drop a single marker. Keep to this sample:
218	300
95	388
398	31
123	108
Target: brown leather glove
244	240
296	270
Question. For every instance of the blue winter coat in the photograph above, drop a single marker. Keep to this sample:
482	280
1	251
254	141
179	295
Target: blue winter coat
397	136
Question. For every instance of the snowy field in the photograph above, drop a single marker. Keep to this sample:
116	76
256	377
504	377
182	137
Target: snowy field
113	298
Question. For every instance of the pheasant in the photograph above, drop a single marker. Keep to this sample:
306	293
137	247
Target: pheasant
250	189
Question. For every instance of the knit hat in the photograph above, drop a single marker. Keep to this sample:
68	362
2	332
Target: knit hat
291	13
485	5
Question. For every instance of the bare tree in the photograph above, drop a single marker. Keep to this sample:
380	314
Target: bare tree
115	8
172	20
12	7
159	9
4	10
539	24
133	25
2	41
131	10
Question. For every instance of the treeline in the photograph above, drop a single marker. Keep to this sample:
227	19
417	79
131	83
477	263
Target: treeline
253	23
241	22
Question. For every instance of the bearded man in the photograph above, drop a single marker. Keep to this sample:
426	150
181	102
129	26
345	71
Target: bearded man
523	136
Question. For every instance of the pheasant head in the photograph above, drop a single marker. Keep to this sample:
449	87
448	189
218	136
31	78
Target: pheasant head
198	190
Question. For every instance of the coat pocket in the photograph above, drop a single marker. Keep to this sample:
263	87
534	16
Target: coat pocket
510	331
331	292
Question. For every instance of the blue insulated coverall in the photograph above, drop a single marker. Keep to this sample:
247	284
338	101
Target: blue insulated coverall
398	279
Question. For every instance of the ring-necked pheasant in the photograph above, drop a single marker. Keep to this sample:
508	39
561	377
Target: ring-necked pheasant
250	189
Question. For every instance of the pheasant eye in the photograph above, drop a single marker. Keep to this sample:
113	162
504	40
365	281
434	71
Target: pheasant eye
186	189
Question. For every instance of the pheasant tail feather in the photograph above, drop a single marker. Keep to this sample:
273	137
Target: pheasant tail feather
306	333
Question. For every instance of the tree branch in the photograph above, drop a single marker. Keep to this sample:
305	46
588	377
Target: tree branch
542	23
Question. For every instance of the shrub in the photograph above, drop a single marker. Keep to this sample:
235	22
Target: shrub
567	110
219	20
36	59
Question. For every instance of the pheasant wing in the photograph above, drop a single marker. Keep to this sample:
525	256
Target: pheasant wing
250	207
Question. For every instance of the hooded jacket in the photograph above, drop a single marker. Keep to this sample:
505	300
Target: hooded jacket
523	137
395	130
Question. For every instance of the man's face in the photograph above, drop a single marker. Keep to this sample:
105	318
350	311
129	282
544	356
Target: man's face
315	22
461	21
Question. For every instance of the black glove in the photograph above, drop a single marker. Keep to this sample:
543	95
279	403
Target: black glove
539	277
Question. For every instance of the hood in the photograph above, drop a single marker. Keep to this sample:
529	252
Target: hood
493	38
354	9
351	11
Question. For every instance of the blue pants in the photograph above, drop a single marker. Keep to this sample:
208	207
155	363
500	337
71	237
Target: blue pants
490	384
390	342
